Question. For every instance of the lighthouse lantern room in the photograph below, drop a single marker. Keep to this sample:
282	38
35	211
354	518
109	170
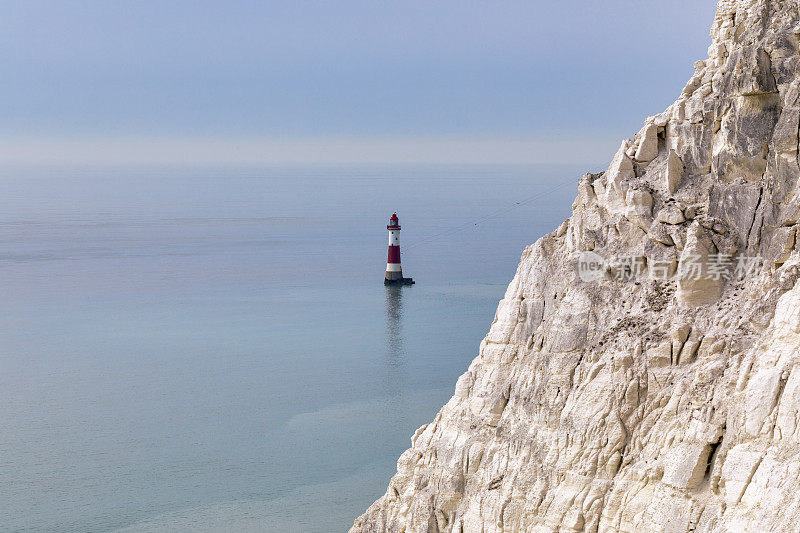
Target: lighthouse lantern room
394	272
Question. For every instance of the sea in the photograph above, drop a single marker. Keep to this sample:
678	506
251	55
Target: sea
213	349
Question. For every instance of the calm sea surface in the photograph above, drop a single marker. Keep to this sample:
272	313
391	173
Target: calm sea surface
213	350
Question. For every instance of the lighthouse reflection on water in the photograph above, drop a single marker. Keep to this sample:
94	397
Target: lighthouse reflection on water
395	348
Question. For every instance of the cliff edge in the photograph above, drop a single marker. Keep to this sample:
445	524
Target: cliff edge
642	372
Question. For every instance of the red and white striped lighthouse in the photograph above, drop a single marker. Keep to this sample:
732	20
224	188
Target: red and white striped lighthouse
394	272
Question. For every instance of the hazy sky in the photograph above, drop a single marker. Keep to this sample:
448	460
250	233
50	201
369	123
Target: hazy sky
78	75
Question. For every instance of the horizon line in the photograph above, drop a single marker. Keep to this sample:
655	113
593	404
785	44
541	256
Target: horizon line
253	151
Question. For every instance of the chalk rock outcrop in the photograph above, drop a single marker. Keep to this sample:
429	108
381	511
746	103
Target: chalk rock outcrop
642	372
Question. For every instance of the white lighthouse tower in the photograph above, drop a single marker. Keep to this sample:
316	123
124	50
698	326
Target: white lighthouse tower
394	272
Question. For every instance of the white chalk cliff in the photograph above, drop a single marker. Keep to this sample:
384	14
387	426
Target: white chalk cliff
658	397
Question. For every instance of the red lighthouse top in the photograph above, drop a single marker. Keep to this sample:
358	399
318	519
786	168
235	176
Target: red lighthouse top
394	223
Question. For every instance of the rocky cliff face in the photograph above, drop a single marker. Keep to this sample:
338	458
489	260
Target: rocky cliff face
643	369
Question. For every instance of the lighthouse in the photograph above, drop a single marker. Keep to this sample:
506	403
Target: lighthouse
394	272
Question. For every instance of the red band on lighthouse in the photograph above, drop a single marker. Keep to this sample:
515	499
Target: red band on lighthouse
394	254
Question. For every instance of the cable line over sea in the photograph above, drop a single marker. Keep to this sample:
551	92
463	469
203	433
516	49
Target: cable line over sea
490	216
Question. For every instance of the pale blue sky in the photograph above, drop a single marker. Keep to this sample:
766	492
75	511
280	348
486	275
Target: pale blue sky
362	71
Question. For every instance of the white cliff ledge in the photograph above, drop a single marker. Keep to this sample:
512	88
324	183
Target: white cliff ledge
655	397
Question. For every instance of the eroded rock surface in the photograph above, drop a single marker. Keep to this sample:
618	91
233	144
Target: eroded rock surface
655	395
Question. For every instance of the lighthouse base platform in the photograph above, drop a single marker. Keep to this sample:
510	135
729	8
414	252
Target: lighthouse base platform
401	281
